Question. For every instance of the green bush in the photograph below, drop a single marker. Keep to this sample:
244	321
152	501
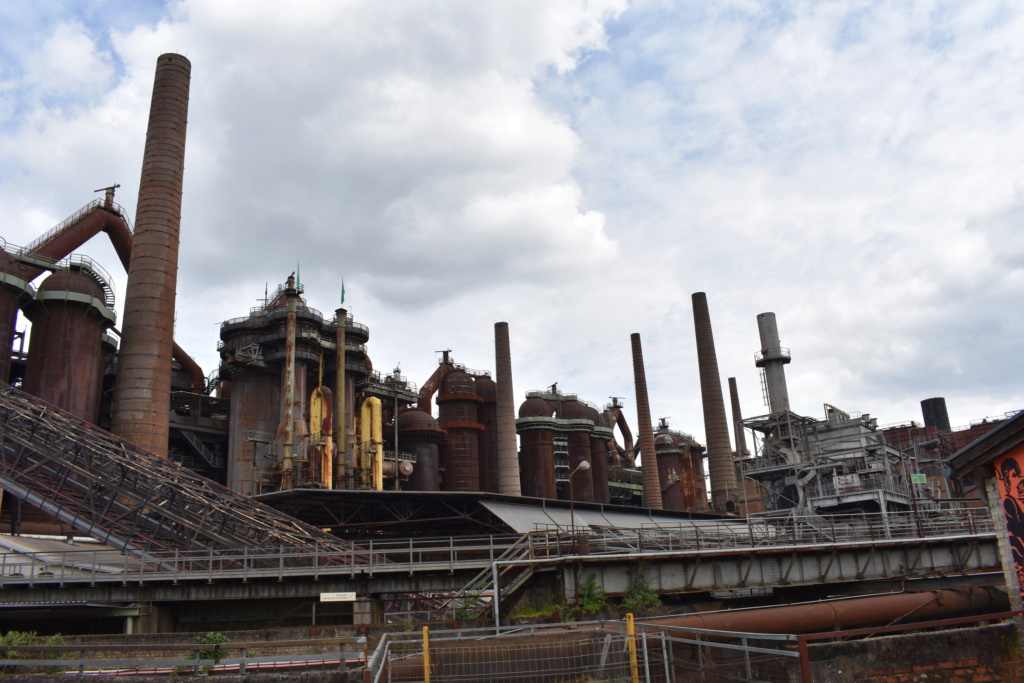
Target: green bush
592	597
640	599
215	653
23	638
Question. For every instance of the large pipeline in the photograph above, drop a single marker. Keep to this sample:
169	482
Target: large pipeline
508	456
81	231
843	614
724	485
648	459
476	656
142	392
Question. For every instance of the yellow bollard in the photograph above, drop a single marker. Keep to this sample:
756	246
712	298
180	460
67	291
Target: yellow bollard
426	655
634	671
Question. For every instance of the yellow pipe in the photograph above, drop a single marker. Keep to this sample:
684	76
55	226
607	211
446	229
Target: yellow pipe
377	433
426	654
365	440
634	670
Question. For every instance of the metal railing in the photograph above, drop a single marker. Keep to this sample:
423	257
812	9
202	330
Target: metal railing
463	554
175	659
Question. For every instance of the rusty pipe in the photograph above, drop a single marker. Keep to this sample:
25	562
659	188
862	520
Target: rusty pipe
81	231
340	433
286	430
648	459
841	614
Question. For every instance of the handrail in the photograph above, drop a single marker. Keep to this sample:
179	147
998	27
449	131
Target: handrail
73	218
480	553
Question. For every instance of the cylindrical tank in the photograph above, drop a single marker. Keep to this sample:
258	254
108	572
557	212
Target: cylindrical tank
458	404
934	412
724	485
420	434
14	291
487	415
581	484
142	391
645	437
675	468
700	484
65	361
537	449
253	417
599	457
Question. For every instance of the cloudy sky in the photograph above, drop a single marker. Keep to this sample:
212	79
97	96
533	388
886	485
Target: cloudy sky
577	168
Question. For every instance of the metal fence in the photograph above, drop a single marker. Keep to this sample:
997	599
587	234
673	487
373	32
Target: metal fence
591	651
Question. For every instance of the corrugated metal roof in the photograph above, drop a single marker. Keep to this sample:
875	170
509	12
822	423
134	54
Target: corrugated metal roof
526	518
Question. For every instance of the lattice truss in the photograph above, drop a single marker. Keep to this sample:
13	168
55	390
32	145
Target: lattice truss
122	495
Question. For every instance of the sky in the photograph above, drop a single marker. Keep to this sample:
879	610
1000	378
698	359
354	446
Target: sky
575	168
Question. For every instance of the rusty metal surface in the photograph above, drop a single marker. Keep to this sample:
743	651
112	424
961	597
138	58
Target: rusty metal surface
65	360
487	415
419	433
341	455
508	456
645	438
724	484
127	497
285	430
537	463
458	405
142	398
598	460
12	294
252	422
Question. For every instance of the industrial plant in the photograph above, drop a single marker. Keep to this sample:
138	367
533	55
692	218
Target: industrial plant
297	467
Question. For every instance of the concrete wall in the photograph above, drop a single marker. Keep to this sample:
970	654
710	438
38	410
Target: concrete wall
981	655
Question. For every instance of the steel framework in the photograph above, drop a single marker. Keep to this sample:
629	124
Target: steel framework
127	497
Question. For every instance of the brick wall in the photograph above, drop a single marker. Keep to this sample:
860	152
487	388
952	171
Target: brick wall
984	654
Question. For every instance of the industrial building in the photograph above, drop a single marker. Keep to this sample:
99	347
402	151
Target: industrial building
295	467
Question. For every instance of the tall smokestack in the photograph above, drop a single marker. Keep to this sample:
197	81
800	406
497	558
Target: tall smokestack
772	360
142	393
722	469
645	438
737	415
508	454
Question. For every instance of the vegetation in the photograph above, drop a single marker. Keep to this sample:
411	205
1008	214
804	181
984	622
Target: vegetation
592	597
13	639
640	599
215	653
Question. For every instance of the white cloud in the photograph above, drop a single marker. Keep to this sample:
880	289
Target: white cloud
577	169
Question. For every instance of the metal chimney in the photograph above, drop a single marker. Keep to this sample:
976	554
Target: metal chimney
722	468
935	415
142	393
737	416
772	360
645	438
508	453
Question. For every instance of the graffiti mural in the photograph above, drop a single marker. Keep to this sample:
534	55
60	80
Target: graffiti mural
1010	472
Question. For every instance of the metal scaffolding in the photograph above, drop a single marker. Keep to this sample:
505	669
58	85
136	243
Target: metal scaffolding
127	497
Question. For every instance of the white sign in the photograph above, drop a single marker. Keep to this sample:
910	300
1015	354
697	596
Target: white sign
337	597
